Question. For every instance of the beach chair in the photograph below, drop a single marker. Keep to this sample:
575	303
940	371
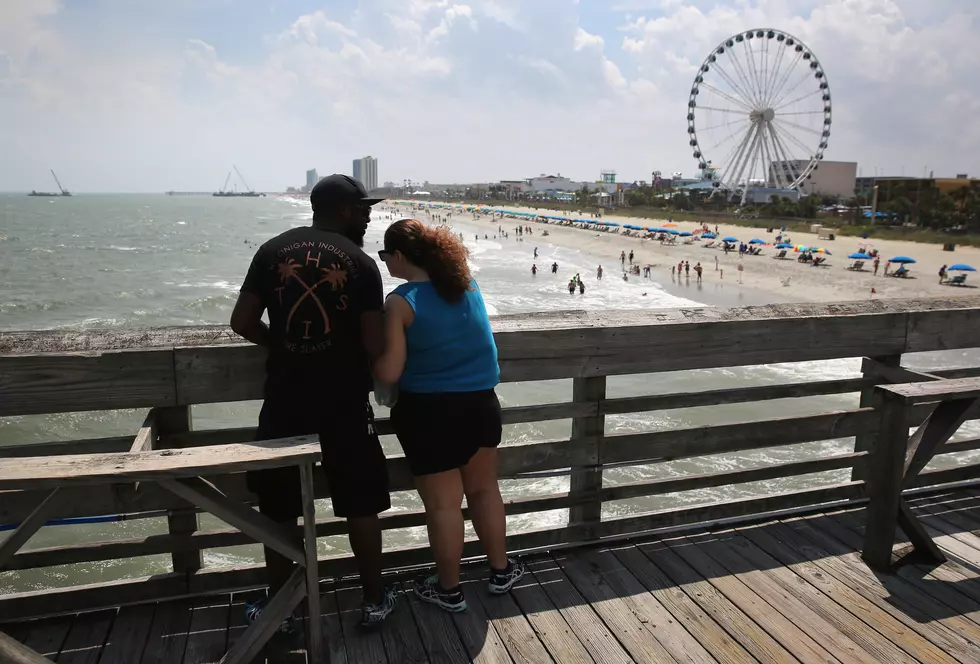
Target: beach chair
819	260
781	254
709	245
958	280
858	266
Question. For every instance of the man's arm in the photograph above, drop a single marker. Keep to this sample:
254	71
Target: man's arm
246	319
372	312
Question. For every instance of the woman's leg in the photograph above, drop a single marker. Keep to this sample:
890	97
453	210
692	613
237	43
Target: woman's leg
442	495
485	505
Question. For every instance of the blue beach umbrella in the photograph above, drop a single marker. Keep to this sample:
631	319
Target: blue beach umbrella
730	239
903	259
708	236
656	230
783	245
756	241
960	267
610	223
860	257
673	232
685	234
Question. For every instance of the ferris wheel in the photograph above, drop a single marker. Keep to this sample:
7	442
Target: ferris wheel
759	113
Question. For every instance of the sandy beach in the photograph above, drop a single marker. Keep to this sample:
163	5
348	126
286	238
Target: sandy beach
783	279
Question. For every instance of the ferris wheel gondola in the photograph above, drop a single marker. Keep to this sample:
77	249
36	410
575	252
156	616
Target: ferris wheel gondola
759	112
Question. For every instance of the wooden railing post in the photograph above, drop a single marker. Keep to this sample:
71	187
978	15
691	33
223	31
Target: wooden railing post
884	476
864	442
587	482
177	419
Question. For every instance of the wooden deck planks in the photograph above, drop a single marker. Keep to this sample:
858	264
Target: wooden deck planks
168	633
506	617
401	635
785	630
739	626
439	636
127	638
207	637
88	634
598	641
362	647
642	623
47	636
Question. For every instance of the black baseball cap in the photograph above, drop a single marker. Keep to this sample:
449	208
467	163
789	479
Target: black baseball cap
339	189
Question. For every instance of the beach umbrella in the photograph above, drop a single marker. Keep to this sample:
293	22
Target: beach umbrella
669	224
783	245
656	230
903	259
673	231
960	267
730	239
820	250
610	223
756	241
709	236
685	234
860	257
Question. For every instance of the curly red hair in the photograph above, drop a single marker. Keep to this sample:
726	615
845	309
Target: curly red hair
435	249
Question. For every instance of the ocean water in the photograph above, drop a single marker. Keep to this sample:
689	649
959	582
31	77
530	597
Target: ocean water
151	260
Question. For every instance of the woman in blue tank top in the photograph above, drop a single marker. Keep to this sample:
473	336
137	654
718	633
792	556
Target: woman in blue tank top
439	351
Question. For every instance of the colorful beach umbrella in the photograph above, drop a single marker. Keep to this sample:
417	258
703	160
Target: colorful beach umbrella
669	224
903	259
960	267
860	257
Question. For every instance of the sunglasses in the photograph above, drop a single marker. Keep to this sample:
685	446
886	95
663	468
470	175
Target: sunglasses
384	255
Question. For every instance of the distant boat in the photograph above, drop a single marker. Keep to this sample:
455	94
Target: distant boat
225	192
45	194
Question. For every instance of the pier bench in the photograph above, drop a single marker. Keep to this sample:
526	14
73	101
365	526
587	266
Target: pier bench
181	473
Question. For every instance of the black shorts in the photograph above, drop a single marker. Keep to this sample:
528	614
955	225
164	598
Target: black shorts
442	431
353	460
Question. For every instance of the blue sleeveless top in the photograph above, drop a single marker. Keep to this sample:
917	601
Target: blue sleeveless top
450	346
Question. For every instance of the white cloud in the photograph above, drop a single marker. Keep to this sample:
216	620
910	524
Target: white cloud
448	90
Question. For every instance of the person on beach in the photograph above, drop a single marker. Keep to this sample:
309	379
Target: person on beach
741	268
440	352
716	263
942	274
697	270
535	252
622	259
534	270
554	268
631	256
598	273
571	287
875	264
581	287
324	298
687	269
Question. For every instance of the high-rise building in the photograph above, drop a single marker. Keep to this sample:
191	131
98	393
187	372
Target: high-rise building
311	178
366	170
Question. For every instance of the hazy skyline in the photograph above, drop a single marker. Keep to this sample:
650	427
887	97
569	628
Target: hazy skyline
145	96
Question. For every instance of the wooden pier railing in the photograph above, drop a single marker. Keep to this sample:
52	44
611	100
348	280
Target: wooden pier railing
167	371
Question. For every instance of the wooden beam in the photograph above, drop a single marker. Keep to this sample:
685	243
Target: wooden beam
181	521
932	434
587	481
315	646
865	440
917	534
13	651
263	529
884	370
84	469
28	527
956	388
251	643
146	438
884	477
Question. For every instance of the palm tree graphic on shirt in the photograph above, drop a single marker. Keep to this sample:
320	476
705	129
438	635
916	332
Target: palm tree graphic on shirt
334	275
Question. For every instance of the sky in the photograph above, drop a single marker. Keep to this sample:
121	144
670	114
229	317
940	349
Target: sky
147	96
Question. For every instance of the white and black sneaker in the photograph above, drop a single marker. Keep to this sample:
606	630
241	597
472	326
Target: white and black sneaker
373	615
502	581
429	591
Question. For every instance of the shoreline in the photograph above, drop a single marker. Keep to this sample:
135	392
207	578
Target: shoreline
779	280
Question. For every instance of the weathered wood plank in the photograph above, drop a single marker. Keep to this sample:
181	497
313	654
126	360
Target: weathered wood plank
886	467
549	625
314	635
13	651
85	469
46	637
657	402
892	628
281	605
507	620
86	638
89	446
362	647
641	623
439	635
402	638
180	521
780	627
167	639
146	438
26	529
598	641
845	637
717	439
936	390
479	635
109	380
207	637
892	594
128	636
701	626
587	482
739	626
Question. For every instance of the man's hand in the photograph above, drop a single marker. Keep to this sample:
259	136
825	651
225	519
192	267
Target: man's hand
246	319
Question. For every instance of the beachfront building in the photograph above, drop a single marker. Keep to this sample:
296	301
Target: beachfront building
366	170
550	183
311	179
830	178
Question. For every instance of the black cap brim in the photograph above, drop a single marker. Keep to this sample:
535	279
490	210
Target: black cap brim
371	201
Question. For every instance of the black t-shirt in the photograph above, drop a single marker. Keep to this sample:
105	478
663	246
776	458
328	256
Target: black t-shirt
315	285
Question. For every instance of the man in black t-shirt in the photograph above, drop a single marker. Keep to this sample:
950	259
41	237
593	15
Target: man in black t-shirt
325	302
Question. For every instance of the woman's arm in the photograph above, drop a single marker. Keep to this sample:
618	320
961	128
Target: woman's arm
398	316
